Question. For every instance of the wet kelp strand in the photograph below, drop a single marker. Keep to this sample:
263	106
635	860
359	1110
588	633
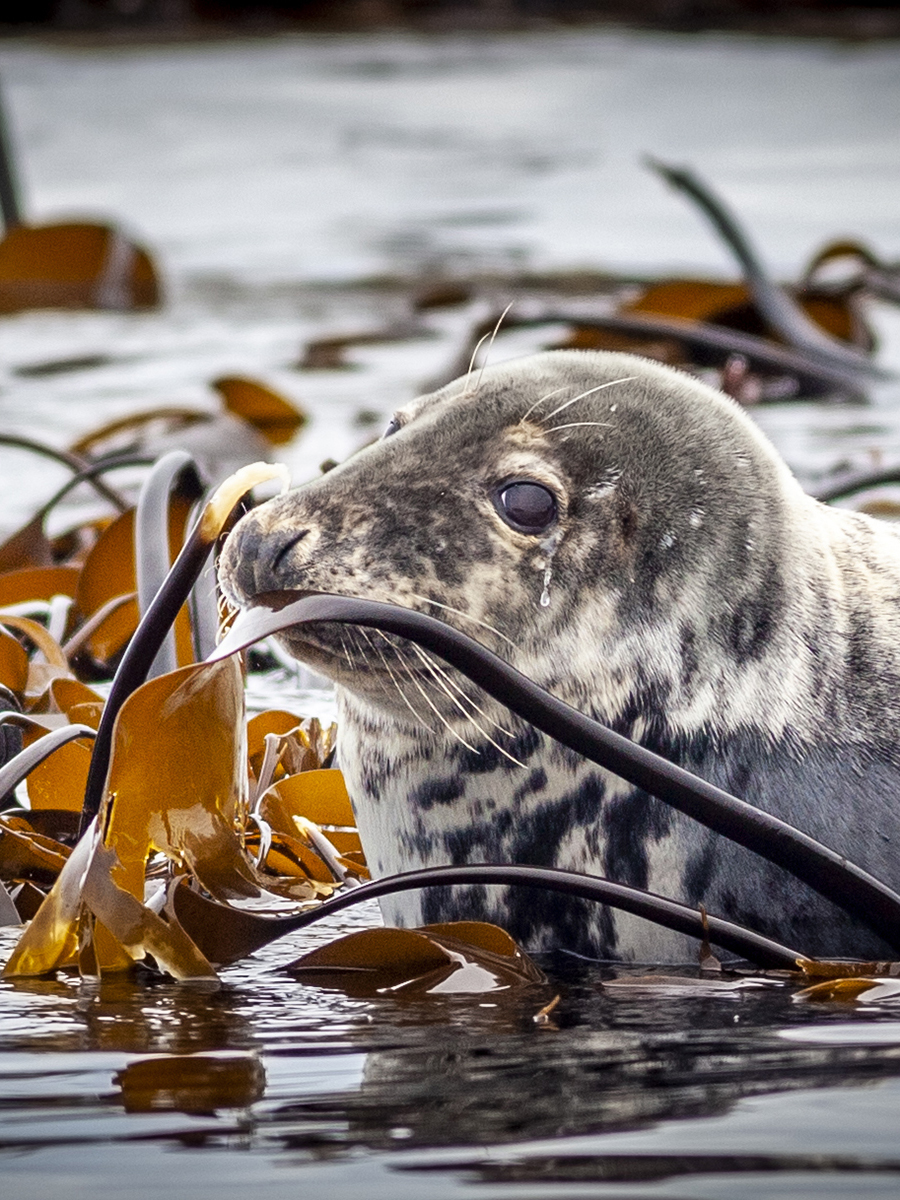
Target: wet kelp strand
247	932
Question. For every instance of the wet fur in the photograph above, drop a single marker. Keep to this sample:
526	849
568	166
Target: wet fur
699	602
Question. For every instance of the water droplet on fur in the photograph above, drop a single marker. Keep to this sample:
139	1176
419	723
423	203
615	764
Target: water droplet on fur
696	518
549	546
545	594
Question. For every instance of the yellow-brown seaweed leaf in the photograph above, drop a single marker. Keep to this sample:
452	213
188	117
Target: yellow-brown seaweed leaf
276	418
458	957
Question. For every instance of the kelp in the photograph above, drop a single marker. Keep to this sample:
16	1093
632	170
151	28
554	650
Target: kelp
75	265
160	798
673	339
461	956
779	310
214	927
762	340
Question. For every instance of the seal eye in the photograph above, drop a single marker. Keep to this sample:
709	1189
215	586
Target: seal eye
393	426
527	507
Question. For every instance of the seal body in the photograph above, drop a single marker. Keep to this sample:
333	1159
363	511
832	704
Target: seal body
624	535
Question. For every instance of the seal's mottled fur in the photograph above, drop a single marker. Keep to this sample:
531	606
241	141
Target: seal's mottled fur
694	598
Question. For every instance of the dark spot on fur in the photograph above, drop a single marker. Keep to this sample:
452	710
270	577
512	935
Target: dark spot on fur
480	761
698	873
584	805
628	519
631	822
437	791
755	621
536	782
459	845
740	778
859	639
538	834
526	743
690	663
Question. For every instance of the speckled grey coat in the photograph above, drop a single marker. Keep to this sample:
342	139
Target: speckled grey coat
686	592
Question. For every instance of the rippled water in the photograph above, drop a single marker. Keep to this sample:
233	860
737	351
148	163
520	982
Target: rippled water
271	179
749	1094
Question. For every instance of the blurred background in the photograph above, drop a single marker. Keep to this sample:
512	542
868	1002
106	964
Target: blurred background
334	195
800	16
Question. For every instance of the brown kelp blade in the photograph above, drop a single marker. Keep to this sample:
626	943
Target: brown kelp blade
175	787
157	620
779	309
730	305
462	957
13	772
88	917
74	265
276	418
830	874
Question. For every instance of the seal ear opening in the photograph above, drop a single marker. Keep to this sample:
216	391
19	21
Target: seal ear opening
628	520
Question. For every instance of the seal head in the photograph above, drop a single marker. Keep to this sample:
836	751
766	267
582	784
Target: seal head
624	535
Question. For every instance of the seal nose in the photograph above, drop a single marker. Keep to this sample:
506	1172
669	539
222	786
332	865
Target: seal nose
237	562
290	541
252	559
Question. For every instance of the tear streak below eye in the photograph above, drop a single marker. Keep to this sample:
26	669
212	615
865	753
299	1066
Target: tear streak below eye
527	507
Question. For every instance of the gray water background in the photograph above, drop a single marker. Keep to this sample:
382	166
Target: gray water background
271	180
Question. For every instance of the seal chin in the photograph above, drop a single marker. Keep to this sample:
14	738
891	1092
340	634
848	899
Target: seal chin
373	665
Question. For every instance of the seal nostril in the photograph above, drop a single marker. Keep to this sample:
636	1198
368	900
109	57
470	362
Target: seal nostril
287	547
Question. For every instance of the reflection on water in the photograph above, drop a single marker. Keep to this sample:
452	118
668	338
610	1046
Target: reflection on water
450	1096
253	170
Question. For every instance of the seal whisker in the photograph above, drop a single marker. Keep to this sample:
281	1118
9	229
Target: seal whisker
490	338
468	716
465	388
590	392
446	681
578	425
347	651
440	716
541	400
465	616
465	696
396	683
437	672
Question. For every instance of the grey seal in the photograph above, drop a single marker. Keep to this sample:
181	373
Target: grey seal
626	536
